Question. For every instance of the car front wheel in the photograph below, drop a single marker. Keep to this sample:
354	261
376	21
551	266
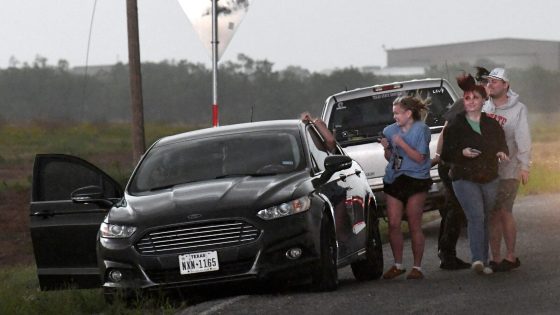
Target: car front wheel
371	267
325	274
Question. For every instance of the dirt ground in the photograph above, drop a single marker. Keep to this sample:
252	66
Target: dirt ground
15	239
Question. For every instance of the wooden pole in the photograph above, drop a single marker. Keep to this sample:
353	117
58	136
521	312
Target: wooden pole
135	76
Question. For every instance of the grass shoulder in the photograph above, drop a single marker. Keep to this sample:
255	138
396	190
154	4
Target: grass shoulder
19	294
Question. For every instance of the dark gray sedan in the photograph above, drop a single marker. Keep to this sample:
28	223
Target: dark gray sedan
257	202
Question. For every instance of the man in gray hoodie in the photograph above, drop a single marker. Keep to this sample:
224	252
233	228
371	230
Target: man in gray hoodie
504	106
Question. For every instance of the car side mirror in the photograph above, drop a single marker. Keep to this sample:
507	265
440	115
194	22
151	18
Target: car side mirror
333	164
90	194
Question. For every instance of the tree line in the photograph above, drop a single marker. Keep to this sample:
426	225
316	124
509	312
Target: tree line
181	91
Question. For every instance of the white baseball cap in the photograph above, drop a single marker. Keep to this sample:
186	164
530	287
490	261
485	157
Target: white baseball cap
499	73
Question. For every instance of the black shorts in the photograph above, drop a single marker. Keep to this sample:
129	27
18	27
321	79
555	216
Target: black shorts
405	186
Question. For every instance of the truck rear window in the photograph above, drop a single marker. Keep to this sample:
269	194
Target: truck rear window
362	120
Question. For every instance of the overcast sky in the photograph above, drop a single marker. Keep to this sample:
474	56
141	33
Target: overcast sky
314	34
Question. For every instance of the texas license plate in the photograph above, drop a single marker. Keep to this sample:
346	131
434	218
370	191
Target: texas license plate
198	262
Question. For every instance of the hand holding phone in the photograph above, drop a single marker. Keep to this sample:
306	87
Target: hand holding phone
471	153
384	142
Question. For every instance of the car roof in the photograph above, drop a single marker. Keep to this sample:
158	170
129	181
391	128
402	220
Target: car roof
292	124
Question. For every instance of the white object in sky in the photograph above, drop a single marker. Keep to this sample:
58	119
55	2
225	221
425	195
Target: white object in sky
230	13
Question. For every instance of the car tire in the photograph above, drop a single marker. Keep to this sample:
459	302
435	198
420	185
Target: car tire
325	273
370	268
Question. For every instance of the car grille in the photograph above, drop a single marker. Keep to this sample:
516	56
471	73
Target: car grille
203	236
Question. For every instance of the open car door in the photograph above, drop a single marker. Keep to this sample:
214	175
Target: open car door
64	232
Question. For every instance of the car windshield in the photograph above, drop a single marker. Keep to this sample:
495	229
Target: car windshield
362	119
242	154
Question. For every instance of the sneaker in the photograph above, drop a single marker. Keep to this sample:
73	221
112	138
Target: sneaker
493	265
393	272
462	264
487	271
415	274
453	263
506	265
478	267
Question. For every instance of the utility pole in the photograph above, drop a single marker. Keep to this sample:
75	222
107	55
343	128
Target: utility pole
135	76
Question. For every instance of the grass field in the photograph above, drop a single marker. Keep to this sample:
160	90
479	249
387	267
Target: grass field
105	145
109	147
19	294
545	168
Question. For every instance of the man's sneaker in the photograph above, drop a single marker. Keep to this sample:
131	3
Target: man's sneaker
478	267
415	274
493	265
462	264
487	271
453	263
506	265
393	272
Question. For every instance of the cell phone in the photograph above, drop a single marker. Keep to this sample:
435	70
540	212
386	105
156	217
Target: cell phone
476	151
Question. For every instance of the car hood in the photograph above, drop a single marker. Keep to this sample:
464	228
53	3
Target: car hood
229	197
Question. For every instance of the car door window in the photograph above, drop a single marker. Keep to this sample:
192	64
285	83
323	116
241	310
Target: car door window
56	178
317	149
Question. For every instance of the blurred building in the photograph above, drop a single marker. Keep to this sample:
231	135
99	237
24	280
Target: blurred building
510	52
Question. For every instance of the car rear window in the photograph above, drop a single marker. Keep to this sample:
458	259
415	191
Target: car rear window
362	119
243	154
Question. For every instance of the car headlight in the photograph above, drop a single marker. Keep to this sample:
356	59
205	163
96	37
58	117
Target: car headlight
116	231
288	208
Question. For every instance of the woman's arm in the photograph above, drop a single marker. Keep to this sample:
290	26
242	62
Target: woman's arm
328	138
410	151
327	135
451	151
386	148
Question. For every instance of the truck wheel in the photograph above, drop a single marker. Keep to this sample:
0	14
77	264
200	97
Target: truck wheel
325	273
370	268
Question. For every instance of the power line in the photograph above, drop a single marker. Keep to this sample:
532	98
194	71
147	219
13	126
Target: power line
87	59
